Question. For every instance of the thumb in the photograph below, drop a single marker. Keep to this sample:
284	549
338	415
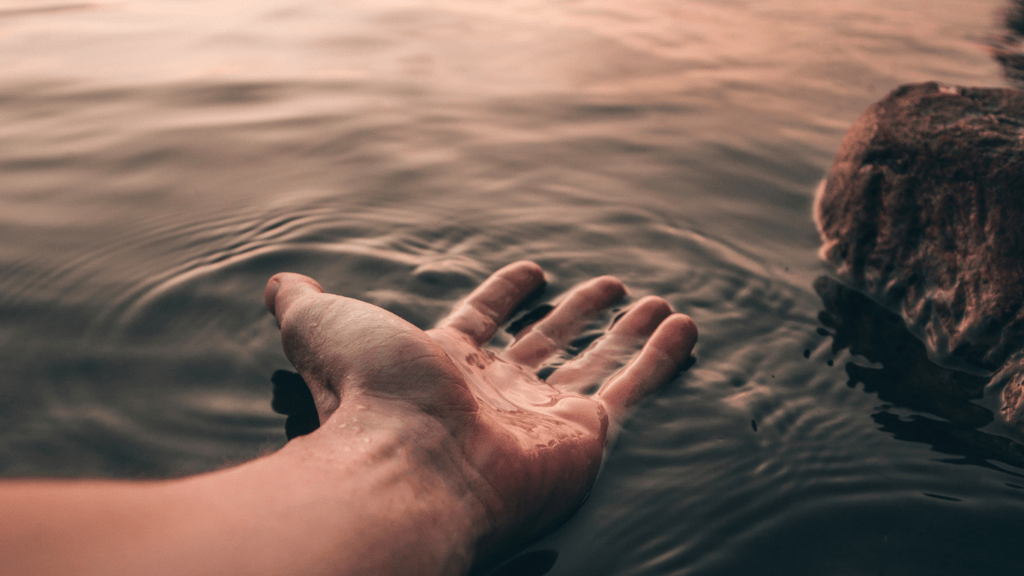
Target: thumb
283	292
284	289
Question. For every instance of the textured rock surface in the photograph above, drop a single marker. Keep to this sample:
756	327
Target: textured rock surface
923	210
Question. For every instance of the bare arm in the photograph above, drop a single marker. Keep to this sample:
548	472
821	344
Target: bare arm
433	453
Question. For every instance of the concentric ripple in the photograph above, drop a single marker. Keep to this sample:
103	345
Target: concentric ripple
159	160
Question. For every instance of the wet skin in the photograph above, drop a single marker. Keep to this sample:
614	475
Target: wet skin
434	455
526	451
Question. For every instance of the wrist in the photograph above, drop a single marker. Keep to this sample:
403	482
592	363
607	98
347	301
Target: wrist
403	471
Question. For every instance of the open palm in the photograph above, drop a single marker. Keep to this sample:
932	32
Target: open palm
530	447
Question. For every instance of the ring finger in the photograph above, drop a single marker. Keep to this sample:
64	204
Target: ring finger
556	330
610	352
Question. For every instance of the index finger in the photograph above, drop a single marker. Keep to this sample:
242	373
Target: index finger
490	305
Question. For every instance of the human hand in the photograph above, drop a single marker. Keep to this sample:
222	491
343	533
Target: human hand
528	449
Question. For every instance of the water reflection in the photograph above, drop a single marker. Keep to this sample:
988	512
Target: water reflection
971	446
907	379
16	10
1006	45
162	159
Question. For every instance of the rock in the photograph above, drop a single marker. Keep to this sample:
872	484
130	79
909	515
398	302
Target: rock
923	210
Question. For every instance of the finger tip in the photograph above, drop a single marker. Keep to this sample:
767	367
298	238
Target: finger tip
675	337
655	306
284	286
531	272
524	276
611	287
686	330
685	323
530	264
643	317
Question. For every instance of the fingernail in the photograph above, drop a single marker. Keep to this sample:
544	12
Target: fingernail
270	295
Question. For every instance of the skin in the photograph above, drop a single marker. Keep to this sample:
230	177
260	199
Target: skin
434	454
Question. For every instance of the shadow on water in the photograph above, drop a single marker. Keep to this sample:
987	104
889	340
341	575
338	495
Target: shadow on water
908	379
293	399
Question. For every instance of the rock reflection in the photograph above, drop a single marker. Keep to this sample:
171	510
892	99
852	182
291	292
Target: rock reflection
972	446
908	379
1006	45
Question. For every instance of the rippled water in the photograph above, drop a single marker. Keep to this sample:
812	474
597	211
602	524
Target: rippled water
160	159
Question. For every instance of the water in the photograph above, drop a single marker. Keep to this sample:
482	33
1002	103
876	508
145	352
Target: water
161	159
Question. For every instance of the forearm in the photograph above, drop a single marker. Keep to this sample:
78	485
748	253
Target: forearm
341	501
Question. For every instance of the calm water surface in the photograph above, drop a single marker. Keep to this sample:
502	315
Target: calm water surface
160	159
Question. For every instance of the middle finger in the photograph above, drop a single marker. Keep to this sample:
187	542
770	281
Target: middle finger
608	353
556	330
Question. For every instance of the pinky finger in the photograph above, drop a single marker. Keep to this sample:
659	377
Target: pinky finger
656	364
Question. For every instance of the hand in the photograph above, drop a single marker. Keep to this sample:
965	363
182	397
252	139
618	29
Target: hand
528	449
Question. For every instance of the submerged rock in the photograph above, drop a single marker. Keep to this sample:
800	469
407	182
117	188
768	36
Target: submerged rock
923	210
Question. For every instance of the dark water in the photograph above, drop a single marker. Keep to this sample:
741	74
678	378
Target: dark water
159	160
